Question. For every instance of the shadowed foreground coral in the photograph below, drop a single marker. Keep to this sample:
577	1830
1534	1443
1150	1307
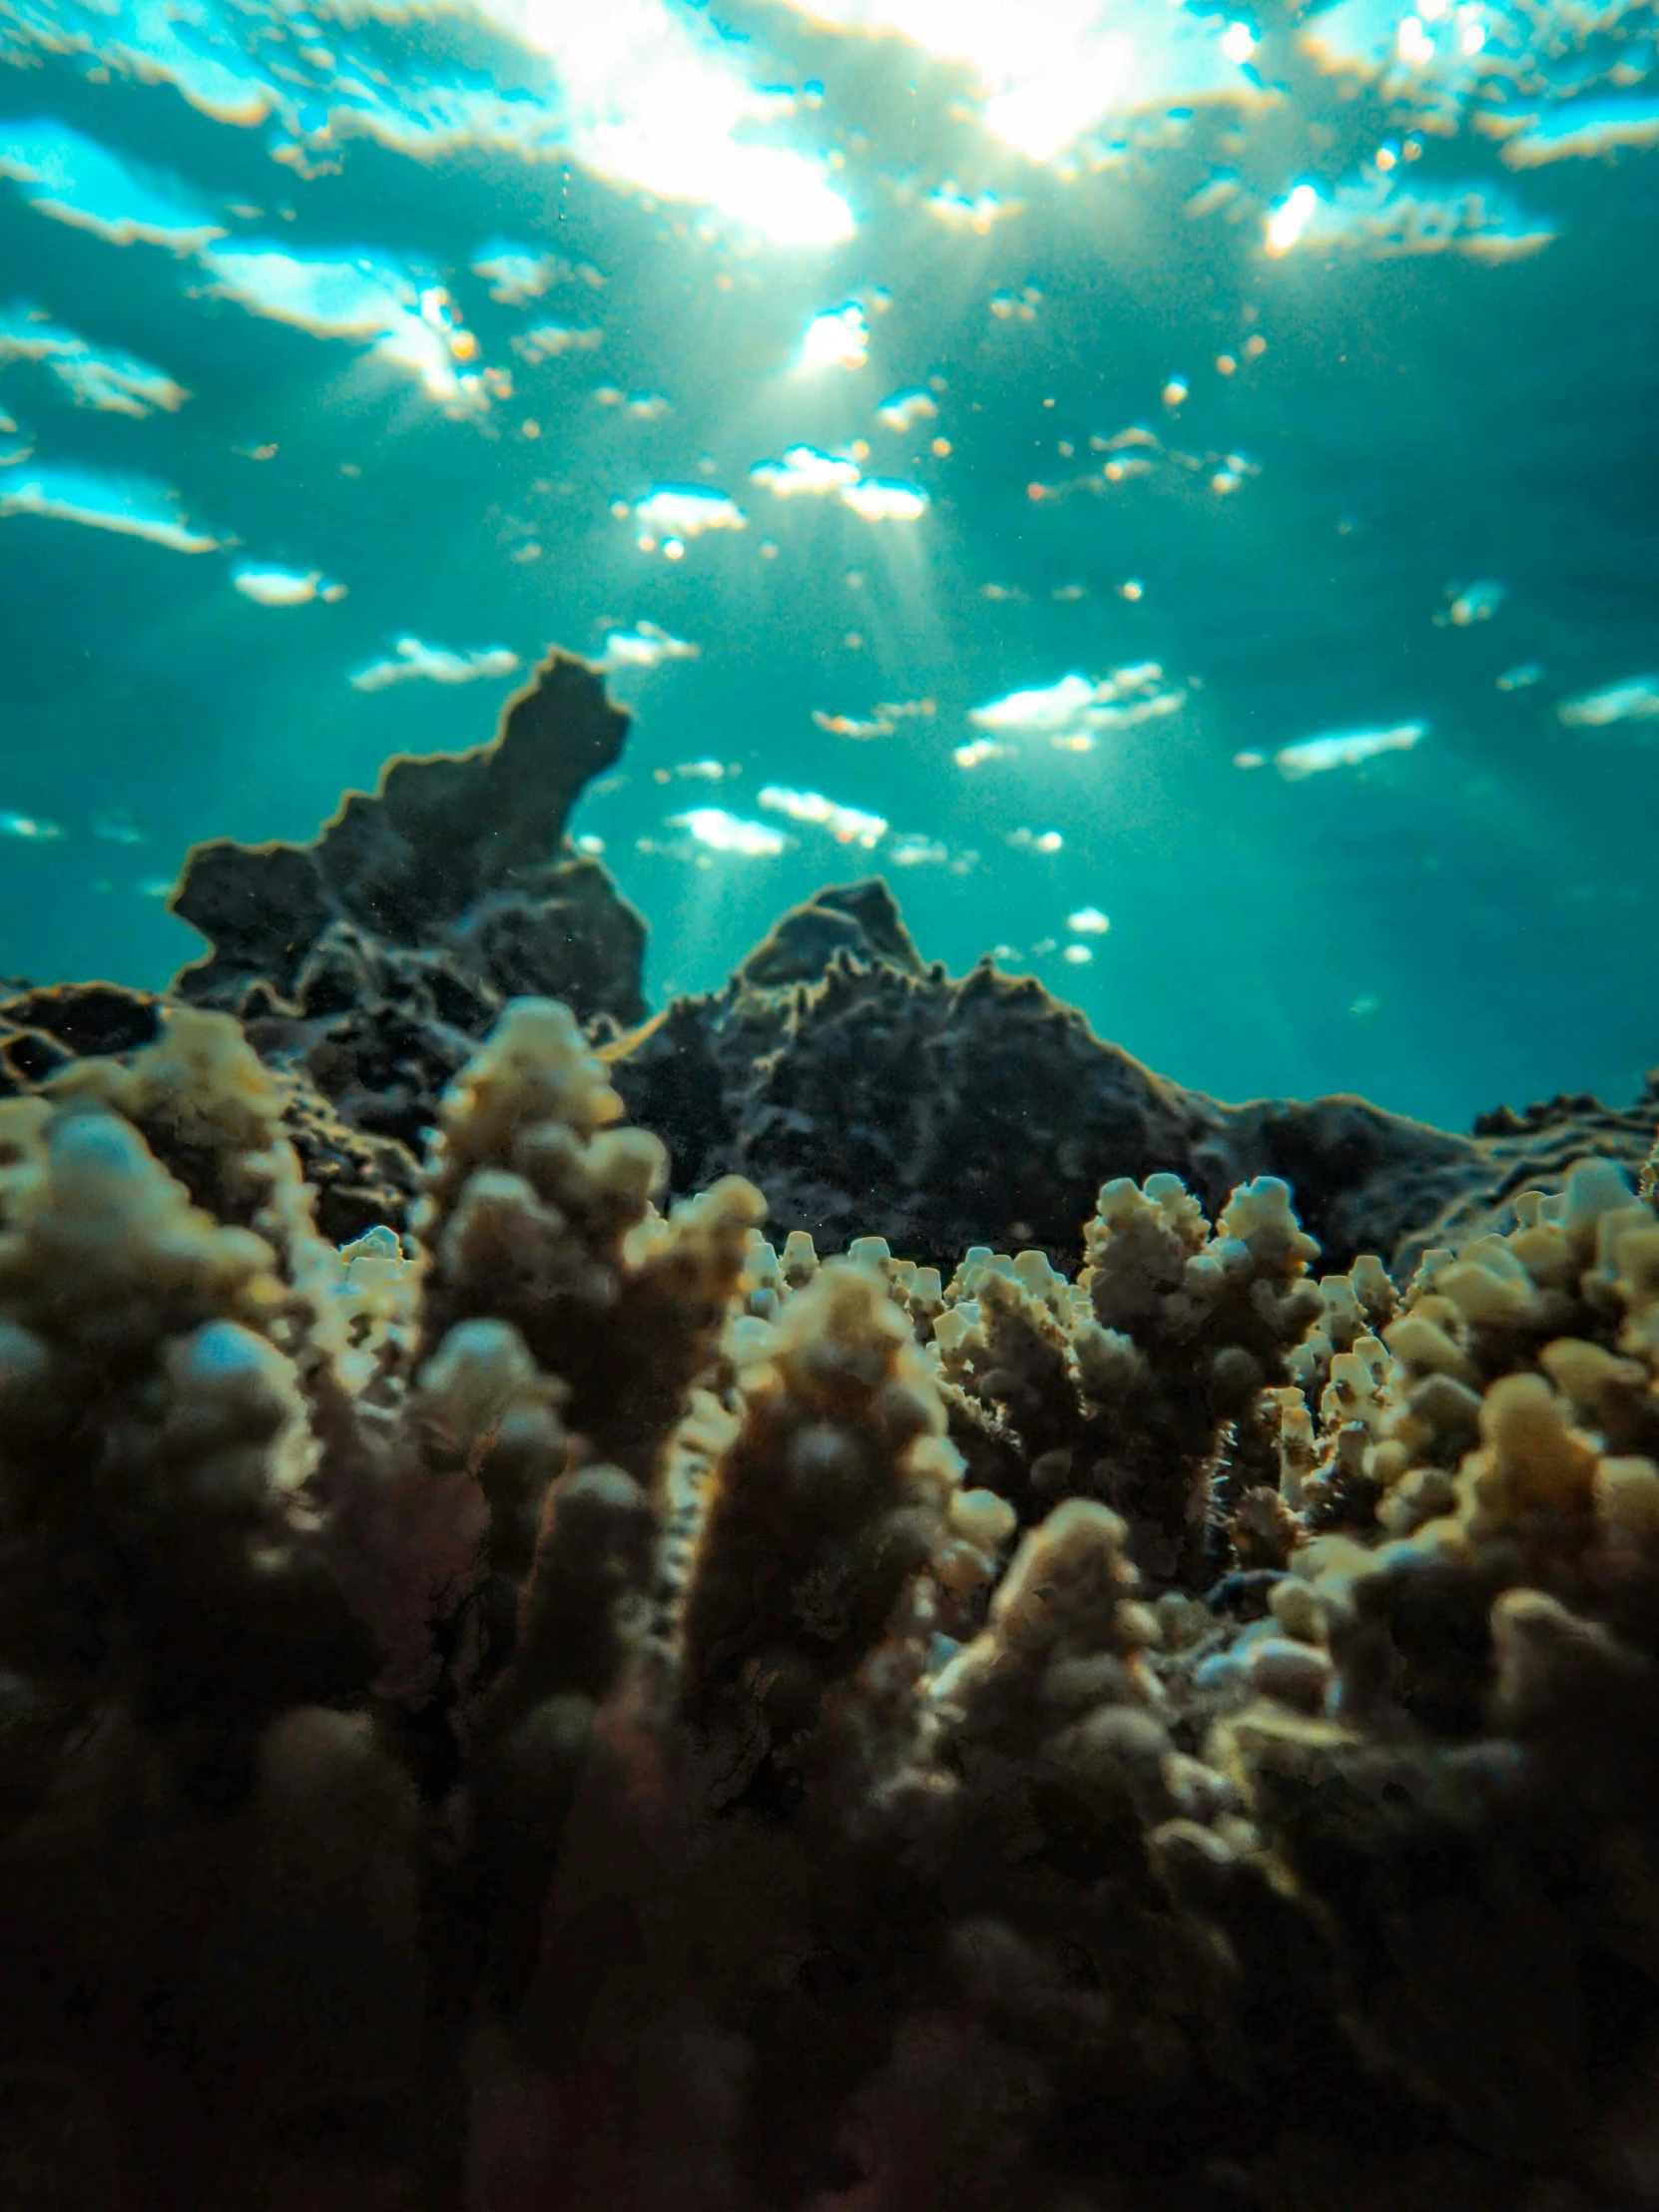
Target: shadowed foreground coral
574	1707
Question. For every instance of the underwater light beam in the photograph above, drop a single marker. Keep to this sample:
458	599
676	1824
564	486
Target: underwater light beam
650	105
1051	71
1041	115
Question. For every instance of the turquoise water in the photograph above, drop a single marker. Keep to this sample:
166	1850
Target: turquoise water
997	447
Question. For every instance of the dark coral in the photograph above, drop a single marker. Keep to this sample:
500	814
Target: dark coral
867	1093
378	954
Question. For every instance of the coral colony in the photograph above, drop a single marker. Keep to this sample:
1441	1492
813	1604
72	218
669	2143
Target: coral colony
525	1686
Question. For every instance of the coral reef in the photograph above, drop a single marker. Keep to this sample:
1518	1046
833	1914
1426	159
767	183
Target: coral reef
869	1093
864	1090
1476	1814
359	1179
517	1691
1139	1385
572	1705
802	1075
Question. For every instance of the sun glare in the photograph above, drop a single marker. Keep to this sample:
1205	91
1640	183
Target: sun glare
1050	70
836	339
1291	217
1040	115
653	105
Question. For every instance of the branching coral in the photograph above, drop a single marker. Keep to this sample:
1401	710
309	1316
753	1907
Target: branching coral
197	1806
1141	1385
358	1180
569	1705
539	1211
156	1451
835	1492
1475	1818
236	1463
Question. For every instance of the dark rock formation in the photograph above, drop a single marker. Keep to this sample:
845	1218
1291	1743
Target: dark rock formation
875	1096
42	1030
866	1092
375	955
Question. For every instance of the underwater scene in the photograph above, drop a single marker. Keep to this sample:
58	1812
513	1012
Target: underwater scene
828	1184
1168	489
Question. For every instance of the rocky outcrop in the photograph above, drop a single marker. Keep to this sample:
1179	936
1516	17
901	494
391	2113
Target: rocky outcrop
378	954
869	1094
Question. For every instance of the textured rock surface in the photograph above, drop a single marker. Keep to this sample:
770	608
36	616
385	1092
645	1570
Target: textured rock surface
379	953
869	1094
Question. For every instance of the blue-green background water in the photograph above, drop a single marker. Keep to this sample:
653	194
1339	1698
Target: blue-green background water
1441	925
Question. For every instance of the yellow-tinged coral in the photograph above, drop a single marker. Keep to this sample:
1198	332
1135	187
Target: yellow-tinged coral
539	1211
536	1070
834	1490
100	1242
156	1458
1061	1662
1489	1605
1141	1385
199	1086
1470	1362
723	1813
